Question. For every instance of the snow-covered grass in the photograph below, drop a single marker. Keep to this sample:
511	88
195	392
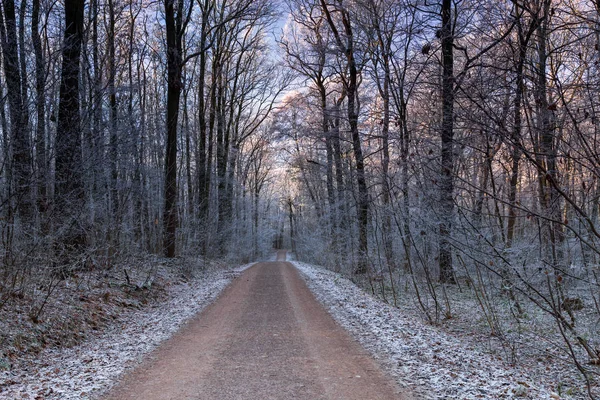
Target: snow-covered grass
435	363
89	369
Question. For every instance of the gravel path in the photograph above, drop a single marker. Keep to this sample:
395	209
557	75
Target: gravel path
266	337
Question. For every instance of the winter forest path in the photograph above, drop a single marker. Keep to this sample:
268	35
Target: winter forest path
266	337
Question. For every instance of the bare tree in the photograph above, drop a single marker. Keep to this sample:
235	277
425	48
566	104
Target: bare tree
15	83
69	187
345	40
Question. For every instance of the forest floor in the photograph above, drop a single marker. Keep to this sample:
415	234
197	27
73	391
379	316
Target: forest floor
113	326
97	324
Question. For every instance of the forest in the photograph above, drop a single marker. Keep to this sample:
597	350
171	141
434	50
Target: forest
436	152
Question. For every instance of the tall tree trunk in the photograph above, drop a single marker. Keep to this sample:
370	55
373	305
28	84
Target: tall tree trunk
136	130
222	138
333	215
113	123
447	157
346	46
339	171
21	160
515	140
69	189
203	174
23	71
97	138
363	195
27	206
385	165
210	143
545	123
515	137
141	213
290	205
202	161
404	176
382	65
174	85
188	157
40	103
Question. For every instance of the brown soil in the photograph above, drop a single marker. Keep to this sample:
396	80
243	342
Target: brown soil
266	337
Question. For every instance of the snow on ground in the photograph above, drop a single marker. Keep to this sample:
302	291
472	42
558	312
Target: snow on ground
435	364
425	358
87	370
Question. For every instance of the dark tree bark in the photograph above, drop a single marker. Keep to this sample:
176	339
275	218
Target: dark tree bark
333	218
203	172
550	199
97	135
515	134
383	35
23	64
188	156
345	44
210	136
21	159
40	103
174	85
222	140
335	135
225	140
113	125
291	217
69	185
69	189
447	136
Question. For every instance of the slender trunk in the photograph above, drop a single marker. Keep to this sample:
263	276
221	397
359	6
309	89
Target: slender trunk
26	206
255	218
385	165
329	171
290	205
40	102
550	199
138	219
113	124
188	158
381	64
203	172
140	214
516	142
339	171
478	211
23	59
222	156
97	139
345	44
362	206
21	160
404	177
210	143
363	196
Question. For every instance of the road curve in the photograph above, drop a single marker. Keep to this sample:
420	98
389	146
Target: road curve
266	337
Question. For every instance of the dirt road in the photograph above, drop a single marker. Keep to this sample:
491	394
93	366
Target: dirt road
266	337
